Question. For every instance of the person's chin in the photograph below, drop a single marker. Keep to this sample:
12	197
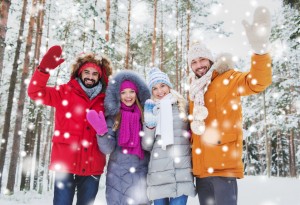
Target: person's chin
89	85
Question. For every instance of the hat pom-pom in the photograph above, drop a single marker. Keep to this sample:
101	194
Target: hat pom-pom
198	127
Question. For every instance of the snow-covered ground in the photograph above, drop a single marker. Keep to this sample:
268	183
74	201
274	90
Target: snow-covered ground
252	191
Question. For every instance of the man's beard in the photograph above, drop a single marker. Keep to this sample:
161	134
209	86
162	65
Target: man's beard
88	85
203	69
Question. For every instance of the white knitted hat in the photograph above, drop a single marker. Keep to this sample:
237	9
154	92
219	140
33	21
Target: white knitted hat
198	50
157	76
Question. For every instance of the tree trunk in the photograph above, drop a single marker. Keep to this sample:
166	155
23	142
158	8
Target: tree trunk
94	27
22	95
37	154
39	36
162	38
154	34
42	168
128	37
107	20
188	32
176	56
292	155
267	140
181	56
4	10
32	120
16	139
279	159
114	26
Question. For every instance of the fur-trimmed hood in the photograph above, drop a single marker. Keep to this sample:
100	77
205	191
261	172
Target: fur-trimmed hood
223	63
112	101
102	61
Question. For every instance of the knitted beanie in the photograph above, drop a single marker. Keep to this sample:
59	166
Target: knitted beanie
157	76
198	50
128	84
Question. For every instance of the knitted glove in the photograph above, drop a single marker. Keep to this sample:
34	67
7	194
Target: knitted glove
149	117
51	59
259	32
97	121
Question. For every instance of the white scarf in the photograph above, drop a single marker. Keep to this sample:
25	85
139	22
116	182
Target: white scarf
163	111
197	90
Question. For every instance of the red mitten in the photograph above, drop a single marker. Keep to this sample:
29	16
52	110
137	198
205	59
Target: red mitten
97	121
51	59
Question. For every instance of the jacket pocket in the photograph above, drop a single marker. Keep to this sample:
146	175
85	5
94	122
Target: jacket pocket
65	152
223	154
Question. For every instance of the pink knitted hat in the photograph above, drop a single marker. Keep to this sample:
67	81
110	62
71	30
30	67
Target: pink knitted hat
128	84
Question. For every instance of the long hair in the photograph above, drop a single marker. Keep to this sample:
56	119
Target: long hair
118	117
182	104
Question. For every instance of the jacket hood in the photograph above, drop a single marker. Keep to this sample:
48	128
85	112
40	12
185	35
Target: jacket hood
112	101
223	63
102	61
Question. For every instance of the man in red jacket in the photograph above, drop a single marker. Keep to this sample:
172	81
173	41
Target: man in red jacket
75	156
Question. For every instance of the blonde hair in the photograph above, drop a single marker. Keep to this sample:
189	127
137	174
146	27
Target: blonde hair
118	117
182	104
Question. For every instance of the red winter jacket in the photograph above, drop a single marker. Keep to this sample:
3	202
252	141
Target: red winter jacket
75	149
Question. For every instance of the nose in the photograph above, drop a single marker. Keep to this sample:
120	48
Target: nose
89	76
159	90
198	63
127	95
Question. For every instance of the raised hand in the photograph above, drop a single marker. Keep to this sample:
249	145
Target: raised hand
97	121
51	59
149	117
258	33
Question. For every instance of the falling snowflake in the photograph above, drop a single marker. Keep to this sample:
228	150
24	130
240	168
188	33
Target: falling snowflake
210	170
68	115
198	151
132	170
65	102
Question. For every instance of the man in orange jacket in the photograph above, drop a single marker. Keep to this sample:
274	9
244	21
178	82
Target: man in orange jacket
215	103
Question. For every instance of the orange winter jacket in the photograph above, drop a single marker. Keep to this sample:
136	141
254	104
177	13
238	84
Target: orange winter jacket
218	152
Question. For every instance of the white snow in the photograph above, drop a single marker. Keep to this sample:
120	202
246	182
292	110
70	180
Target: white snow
253	190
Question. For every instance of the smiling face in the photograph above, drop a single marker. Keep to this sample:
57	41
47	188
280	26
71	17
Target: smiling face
128	96
89	77
200	66
160	90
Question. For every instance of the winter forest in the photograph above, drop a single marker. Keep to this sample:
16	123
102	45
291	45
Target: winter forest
139	34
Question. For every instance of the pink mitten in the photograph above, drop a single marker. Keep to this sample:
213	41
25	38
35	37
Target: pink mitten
51	59
97	121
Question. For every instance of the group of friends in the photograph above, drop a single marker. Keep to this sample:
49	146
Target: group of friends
161	147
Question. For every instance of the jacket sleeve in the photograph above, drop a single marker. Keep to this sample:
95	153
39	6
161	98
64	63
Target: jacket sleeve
258	78
38	91
107	143
148	138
